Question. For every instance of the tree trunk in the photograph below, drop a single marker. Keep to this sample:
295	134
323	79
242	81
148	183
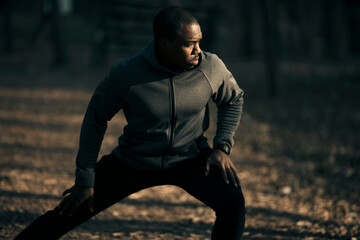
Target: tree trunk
268	11
58	36
8	26
247	46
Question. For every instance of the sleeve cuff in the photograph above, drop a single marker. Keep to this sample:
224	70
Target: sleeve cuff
84	179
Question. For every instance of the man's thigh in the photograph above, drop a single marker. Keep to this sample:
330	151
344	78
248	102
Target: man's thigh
211	189
114	181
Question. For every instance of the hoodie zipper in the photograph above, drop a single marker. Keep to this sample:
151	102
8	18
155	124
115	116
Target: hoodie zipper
172	120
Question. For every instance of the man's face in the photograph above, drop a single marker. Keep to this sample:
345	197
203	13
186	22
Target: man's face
183	52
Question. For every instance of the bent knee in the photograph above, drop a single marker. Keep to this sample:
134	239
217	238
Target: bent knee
237	203
233	204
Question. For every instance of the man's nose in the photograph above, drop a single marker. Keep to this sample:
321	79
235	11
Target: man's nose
197	49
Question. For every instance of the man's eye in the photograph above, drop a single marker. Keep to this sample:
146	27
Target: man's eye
190	44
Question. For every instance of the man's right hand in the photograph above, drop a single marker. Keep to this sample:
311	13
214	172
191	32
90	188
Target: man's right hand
75	196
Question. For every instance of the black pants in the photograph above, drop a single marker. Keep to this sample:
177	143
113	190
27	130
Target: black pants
115	181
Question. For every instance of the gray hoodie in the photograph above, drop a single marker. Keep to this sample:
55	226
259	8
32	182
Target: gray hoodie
166	113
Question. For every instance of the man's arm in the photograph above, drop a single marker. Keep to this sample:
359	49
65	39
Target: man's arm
104	104
229	100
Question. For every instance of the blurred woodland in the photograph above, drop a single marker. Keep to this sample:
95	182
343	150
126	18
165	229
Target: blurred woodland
297	149
270	33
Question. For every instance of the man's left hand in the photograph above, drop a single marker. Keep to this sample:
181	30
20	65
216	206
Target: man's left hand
224	163
75	196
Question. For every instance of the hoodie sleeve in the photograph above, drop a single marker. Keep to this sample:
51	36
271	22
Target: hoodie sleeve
229	100
104	104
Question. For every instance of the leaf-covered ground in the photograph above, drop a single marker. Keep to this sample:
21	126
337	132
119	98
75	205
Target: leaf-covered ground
298	156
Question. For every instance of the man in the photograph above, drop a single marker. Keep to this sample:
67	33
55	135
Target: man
164	93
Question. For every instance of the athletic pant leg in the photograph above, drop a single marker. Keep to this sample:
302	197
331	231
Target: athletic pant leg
225	199
113	182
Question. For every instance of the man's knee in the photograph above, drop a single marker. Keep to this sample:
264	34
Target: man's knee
237	202
233	204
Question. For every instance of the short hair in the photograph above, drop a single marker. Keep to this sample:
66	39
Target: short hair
169	21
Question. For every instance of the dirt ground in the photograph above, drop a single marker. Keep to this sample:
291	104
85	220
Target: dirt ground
298	157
